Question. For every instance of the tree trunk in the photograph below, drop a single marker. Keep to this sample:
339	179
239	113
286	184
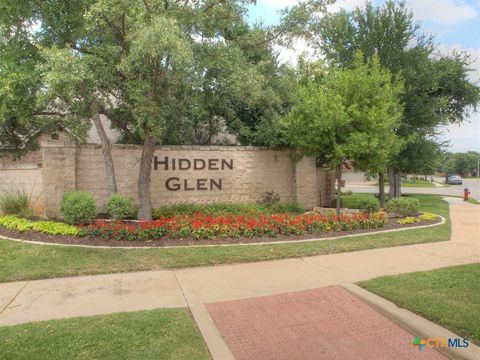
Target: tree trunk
391	182
144	199
398	184
395	180
339	187
381	189
106	150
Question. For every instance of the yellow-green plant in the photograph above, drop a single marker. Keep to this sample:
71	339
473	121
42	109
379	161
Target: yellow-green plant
46	227
408	220
428	217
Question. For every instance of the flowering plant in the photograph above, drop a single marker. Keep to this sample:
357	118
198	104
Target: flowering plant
200	225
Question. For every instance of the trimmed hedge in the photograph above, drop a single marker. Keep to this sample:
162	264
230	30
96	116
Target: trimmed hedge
120	207
403	206
369	205
78	207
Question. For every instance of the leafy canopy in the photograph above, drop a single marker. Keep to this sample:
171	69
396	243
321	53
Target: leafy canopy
437	90
346	114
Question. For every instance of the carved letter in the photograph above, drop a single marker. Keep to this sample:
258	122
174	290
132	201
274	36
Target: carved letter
218	184
202	184
156	163
212	164
225	164
184	167
199	167
172	187
186	188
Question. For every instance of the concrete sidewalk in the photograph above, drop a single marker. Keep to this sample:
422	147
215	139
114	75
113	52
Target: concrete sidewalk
91	295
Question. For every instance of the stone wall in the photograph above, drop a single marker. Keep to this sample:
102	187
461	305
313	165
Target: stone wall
326	186
33	157
26	178
184	174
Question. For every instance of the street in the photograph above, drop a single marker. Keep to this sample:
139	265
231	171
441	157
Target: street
473	186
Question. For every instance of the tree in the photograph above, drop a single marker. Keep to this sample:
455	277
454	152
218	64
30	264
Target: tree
437	89
59	88
345	114
74	87
20	120
465	164
160	70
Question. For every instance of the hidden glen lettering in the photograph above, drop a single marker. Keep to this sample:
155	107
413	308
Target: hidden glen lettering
200	184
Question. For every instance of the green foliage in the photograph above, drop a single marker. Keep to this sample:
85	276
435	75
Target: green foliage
428	216
403	206
270	198
437	87
408	220
464	164
120	207
369	205
15	202
287	207
219	209
78	207
46	227
347	114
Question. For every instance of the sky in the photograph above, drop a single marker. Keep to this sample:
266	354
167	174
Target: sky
454	23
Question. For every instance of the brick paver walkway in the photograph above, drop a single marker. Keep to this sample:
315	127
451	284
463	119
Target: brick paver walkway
326	323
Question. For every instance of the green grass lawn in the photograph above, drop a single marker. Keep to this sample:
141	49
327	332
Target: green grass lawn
157	334
20	261
473	201
449	297
418	183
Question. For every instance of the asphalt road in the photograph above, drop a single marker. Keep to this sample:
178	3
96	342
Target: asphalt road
452	190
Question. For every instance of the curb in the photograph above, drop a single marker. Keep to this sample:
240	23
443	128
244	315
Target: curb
443	221
414	323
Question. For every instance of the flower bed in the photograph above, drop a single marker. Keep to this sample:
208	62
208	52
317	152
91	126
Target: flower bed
201	226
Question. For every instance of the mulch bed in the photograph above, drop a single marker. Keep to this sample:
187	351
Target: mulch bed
166	241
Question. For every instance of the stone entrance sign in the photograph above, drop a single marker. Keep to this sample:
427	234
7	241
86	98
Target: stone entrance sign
185	174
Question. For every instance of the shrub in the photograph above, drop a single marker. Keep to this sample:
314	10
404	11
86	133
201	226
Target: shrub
403	206
270	198
291	207
369	205
16	202
47	227
78	207
120	207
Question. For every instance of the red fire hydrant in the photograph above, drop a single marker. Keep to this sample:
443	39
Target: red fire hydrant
465	194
